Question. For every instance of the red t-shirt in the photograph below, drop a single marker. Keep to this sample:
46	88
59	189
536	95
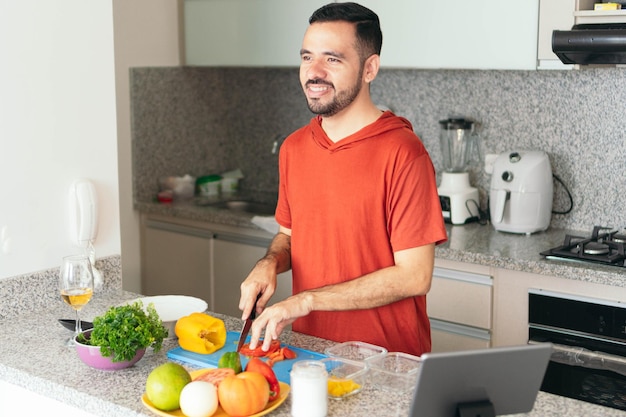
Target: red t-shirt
350	205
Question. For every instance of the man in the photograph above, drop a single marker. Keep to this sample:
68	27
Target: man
358	208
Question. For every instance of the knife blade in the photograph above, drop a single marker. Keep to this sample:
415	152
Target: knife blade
246	326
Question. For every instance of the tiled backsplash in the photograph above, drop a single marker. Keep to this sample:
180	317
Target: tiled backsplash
201	120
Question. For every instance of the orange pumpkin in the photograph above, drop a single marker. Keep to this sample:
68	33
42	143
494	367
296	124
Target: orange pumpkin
243	394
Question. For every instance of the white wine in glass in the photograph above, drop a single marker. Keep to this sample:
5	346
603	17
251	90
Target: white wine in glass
76	286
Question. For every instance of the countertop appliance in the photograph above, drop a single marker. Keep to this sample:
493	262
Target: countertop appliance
520	196
459	200
588	361
604	246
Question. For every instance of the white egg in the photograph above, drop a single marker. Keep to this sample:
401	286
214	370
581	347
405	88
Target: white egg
198	399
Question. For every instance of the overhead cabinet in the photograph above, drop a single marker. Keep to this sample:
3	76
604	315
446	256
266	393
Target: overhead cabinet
246	32
479	34
456	34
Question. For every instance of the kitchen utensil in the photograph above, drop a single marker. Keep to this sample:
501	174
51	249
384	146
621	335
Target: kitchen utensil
70	324
356	351
395	371
345	377
281	368
247	325
520	197
459	200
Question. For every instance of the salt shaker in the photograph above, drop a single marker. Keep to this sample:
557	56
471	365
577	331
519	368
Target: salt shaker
309	389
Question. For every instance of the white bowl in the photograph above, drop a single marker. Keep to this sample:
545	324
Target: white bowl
172	307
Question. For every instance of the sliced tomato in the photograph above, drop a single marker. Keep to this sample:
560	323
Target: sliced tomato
215	376
259	352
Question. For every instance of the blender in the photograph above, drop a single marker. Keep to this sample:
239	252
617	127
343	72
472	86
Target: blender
459	200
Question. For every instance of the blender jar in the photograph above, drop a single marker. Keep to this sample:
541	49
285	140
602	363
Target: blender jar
457	139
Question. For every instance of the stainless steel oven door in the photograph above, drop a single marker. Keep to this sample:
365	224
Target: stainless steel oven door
588	362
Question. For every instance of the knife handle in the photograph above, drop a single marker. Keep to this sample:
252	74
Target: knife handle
253	312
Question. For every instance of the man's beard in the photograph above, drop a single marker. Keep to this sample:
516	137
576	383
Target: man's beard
340	101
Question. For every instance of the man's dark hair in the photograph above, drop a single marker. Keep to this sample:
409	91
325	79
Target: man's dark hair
369	37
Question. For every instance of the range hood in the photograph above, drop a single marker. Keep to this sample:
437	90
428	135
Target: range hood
591	44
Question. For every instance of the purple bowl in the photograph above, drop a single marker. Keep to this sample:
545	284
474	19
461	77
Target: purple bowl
91	356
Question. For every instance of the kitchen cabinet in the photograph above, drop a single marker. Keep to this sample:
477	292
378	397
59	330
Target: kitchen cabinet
176	259
481	34
203	260
458	34
246	32
460	306
234	256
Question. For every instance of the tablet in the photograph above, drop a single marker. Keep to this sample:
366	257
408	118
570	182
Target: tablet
480	383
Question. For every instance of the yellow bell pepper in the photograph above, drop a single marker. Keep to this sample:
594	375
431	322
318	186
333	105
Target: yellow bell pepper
200	333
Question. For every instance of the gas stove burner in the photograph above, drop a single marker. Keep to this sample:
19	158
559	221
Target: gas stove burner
604	246
595	248
619	237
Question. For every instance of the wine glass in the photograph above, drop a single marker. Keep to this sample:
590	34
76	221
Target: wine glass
76	286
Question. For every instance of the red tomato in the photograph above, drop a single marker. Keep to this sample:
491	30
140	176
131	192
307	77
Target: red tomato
243	394
259	352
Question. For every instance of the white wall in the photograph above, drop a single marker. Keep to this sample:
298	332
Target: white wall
57	124
65	114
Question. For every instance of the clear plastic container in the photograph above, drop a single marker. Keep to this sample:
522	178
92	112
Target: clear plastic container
345	377
356	351
396	371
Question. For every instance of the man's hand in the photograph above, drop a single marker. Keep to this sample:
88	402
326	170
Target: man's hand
275	318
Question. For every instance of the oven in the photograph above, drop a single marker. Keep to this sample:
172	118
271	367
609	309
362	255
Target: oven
588	362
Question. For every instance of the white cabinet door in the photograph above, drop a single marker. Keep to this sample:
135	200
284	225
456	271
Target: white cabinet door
246	32
478	34
176	259
460	307
234	256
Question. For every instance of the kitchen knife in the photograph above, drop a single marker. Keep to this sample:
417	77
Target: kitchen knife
247	325
71	324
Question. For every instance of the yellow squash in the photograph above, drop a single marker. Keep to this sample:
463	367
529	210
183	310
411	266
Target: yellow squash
200	333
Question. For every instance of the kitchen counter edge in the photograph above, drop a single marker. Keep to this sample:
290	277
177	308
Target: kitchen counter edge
472	243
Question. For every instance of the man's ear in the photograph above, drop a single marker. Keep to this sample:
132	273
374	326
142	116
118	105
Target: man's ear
370	68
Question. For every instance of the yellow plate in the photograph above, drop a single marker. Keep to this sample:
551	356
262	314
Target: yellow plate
284	393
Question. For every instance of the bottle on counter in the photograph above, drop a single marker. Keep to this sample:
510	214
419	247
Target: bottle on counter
309	389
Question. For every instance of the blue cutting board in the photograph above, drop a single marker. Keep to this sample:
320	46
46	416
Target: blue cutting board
281	368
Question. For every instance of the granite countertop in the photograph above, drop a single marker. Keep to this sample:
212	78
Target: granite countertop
472	243
41	363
